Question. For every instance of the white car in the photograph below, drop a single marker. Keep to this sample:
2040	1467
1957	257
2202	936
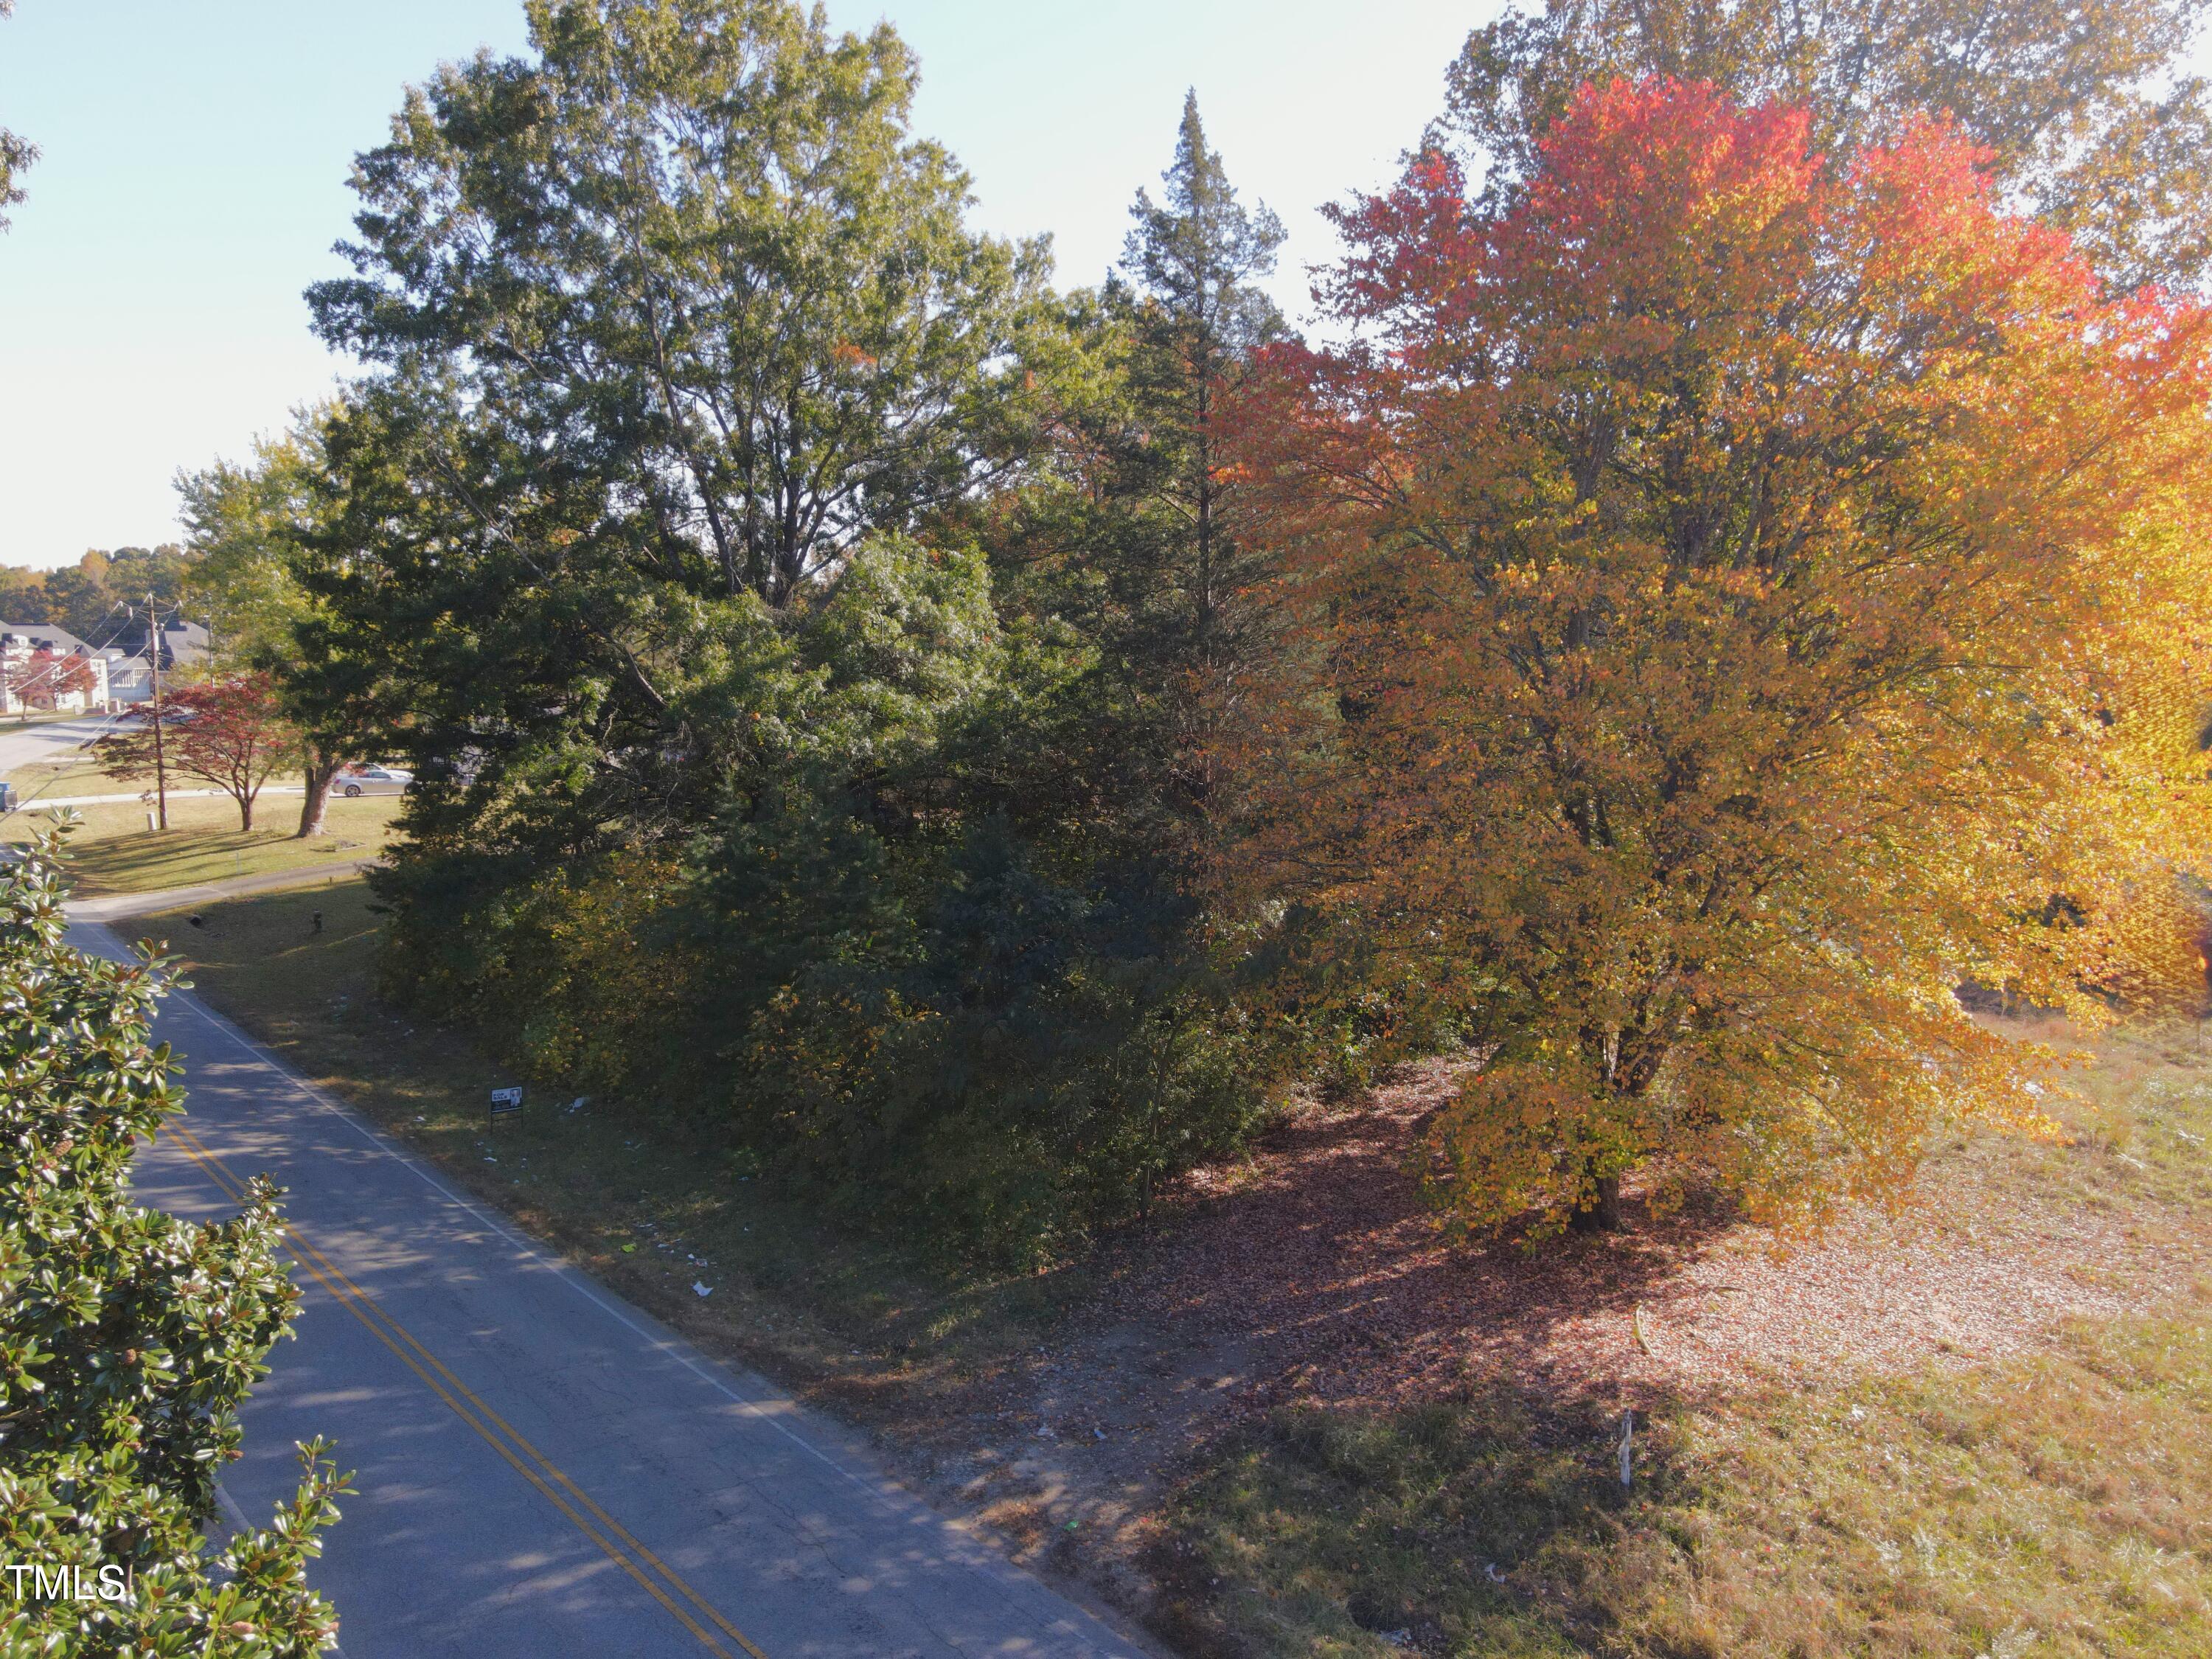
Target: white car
357	780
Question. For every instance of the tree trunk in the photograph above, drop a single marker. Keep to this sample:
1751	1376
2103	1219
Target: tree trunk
246	814
321	771
1602	1214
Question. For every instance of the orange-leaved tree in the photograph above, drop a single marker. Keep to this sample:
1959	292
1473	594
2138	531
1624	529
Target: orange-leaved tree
1736	596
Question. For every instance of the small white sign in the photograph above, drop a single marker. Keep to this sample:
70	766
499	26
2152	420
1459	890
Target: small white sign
505	1100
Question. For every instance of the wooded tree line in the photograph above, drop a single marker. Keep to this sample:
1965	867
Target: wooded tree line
88	598
1731	576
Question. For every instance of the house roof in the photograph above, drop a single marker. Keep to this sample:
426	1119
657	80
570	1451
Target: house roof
181	641
42	633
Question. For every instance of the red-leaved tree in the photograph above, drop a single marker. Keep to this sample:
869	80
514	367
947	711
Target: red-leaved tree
46	675
229	732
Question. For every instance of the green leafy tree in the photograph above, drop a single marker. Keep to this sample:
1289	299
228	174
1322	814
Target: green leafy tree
22	595
88	598
242	523
247	529
81	601
2090	109
15	153
692	249
671	546
715	320
128	1338
1049	1003
128	575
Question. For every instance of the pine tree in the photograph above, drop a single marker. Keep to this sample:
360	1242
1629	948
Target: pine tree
1129	538
1192	259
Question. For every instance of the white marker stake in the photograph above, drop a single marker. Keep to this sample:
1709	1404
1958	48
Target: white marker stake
1627	1447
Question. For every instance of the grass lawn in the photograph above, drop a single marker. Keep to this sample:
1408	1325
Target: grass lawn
75	774
72	772
2059	1503
650	1205
115	852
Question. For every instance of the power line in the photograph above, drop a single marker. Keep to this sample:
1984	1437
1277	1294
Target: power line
31	800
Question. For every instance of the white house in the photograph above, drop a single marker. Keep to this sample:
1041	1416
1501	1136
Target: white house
130	677
45	667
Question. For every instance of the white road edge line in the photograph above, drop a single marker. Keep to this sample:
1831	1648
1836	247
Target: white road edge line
230	1508
566	1273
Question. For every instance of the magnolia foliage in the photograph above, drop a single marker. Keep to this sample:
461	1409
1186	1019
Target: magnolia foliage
1734	596
128	1338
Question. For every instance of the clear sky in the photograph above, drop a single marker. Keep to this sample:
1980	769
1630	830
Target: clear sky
194	157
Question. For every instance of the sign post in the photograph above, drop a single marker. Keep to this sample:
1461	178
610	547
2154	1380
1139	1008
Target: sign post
503	1101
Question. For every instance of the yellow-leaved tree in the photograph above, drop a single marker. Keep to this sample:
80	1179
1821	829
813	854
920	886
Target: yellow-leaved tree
1732	597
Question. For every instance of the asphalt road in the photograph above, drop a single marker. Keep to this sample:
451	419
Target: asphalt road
545	1470
44	740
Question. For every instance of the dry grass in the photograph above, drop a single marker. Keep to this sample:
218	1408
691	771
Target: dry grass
2058	1505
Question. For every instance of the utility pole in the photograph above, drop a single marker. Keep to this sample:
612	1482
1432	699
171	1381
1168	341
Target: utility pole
154	662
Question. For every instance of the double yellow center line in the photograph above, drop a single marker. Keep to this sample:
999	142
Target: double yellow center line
659	1580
